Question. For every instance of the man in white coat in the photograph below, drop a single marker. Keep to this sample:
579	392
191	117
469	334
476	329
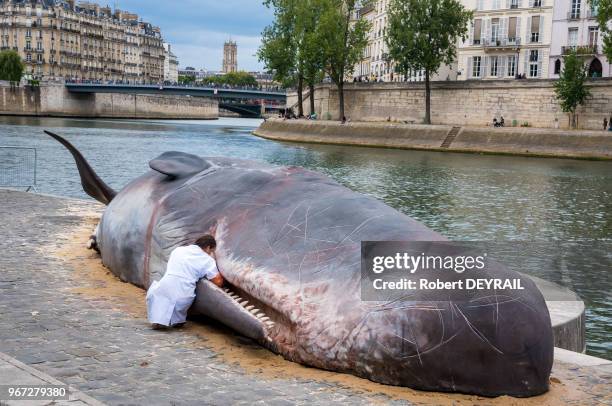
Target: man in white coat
169	299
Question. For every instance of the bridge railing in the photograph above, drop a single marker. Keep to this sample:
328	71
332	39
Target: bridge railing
177	85
18	167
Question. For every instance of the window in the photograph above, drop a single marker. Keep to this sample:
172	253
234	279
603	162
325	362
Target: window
593	9
29	57
575	10
494	30
593	36
535	28
494	66
39	58
476	62
514	4
477	32
572	37
534	63
558	67
28	45
512	23
512	65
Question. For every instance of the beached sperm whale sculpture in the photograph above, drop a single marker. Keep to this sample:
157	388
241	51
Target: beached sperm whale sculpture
289	245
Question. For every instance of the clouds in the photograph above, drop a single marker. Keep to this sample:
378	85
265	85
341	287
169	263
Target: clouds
197	29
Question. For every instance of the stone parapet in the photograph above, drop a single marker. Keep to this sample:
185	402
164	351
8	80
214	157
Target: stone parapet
463	103
513	141
56	101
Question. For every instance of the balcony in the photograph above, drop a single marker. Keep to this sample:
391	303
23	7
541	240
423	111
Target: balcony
502	43
537	4
581	49
573	15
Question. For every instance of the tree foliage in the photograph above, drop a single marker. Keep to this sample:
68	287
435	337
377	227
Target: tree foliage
604	18
11	66
234	79
422	35
278	48
342	40
571	87
286	46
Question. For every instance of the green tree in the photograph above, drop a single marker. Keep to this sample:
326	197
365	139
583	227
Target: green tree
604	17
570	88
341	39
309	54
422	35
279	45
186	79
11	67
289	48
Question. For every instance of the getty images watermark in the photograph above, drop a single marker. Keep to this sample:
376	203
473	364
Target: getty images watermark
432	271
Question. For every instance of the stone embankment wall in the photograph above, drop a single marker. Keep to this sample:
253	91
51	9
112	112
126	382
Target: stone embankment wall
514	141
57	101
463	103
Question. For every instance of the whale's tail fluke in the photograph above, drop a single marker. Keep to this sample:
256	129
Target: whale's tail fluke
92	184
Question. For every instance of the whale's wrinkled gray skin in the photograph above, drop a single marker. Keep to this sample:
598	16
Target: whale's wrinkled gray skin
289	246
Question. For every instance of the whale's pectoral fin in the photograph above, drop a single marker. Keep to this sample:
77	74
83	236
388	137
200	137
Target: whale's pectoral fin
91	182
178	164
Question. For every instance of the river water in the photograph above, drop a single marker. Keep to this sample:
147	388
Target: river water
463	196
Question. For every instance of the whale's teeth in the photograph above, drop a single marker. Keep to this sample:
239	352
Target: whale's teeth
234	296
264	318
254	311
270	324
226	290
260	315
250	307
244	302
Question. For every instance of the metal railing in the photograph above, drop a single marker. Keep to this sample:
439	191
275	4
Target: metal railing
580	49
501	42
18	167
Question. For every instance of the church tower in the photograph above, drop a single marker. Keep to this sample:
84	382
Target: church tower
230	57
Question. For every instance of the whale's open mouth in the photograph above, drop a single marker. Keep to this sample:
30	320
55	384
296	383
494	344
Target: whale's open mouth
235	309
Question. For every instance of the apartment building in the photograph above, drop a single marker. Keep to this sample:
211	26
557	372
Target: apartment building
62	39
575	27
171	64
376	65
507	39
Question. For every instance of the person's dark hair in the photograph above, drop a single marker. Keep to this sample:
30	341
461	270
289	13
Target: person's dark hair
206	241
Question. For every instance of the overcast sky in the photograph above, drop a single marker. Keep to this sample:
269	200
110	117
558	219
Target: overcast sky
197	29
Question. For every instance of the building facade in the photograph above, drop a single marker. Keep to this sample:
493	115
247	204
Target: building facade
230	57
60	39
171	64
507	39
375	64
575	27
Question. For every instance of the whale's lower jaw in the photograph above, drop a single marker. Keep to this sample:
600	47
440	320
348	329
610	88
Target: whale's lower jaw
534	386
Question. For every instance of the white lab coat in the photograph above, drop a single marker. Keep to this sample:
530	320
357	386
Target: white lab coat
169	299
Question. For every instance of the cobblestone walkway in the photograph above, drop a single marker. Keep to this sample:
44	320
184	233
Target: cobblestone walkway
58	318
